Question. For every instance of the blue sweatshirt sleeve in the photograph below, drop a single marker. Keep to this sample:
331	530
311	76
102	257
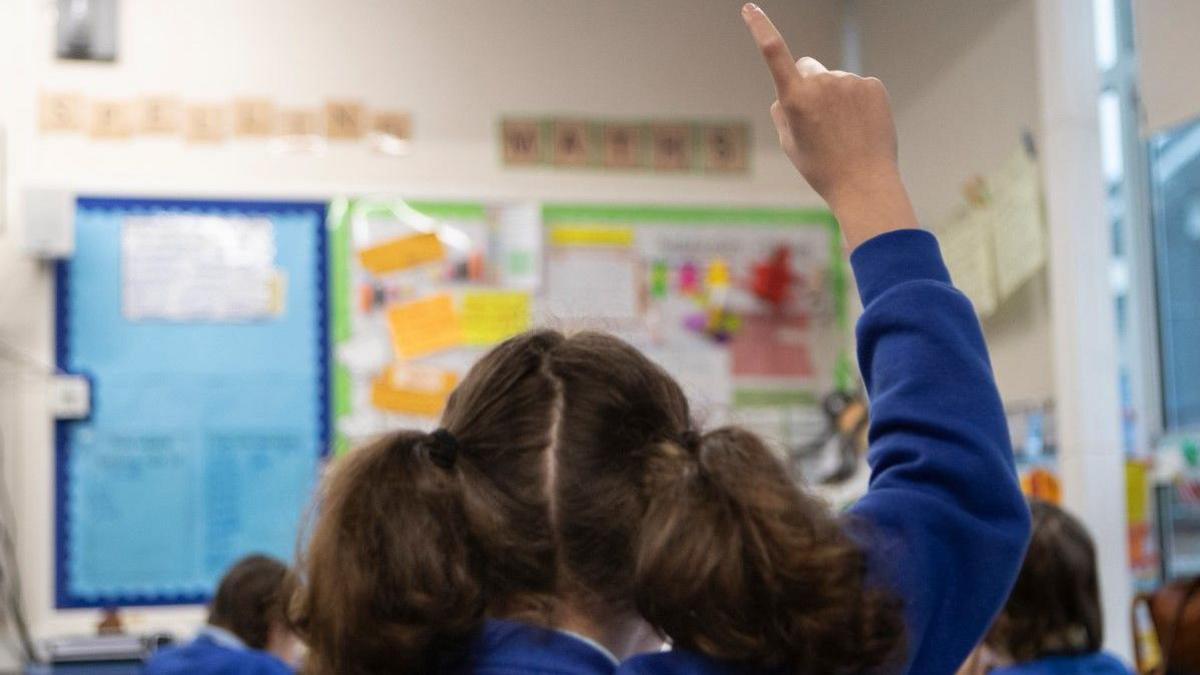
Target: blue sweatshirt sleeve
944	521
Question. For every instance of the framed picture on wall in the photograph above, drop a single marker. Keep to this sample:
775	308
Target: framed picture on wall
86	30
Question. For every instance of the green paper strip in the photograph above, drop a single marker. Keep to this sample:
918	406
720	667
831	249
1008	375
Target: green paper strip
772	398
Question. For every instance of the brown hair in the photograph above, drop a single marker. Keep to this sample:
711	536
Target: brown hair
1054	609
578	474
251	598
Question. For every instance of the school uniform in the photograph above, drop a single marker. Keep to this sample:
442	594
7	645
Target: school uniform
215	652
944	523
1098	663
514	648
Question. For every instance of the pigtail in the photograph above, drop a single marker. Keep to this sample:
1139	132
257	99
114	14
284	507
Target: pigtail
734	561
390	580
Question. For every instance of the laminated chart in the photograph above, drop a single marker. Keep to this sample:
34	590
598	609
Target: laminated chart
209	411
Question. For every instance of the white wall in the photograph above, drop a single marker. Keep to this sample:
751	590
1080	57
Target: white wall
963	79
1166	43
456	64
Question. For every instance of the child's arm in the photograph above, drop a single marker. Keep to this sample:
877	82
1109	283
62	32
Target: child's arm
944	521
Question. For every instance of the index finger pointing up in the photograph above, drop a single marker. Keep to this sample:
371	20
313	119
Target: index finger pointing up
774	49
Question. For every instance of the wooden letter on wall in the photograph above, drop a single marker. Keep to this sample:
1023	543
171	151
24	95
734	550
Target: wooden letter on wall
672	147
206	123
725	147
572	143
522	141
395	124
299	122
345	120
254	117
111	120
60	112
623	146
159	115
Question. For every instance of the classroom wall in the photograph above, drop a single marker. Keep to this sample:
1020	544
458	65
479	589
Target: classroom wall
456	64
963	79
1166	43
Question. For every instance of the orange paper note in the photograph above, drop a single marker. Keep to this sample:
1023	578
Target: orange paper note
425	326
398	254
424	396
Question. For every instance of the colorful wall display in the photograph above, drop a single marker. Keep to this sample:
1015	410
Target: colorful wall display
746	307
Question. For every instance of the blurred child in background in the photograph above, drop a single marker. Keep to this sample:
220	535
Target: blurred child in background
246	633
1053	623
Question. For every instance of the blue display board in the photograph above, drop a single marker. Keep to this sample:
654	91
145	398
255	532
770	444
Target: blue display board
205	437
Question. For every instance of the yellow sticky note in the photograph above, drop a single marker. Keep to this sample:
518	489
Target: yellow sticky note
591	235
489	317
1137	492
425	326
400	395
402	253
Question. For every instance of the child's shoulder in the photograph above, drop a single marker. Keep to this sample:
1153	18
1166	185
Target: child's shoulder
1098	663
262	663
202	657
684	662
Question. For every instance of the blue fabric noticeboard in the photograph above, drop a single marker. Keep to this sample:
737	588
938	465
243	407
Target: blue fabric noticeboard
204	438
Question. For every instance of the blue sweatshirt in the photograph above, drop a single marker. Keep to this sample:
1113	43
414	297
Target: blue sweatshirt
944	522
215	652
1098	663
513	648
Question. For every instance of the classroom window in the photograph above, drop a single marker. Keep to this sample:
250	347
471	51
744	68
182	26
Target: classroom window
1175	171
1119	143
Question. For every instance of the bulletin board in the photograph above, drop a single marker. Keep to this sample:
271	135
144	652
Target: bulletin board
202	326
424	288
745	307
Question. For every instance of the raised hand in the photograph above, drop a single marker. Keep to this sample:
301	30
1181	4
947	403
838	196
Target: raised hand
837	129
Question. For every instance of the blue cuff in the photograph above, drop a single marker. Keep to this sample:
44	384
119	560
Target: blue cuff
894	258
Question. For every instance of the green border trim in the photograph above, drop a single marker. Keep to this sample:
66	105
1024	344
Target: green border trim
339	268
339	304
773	398
450	210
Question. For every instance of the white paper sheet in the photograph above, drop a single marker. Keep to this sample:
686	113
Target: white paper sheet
199	268
1014	213
704	372
594	283
966	241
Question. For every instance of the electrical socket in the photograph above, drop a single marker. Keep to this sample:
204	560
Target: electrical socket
70	397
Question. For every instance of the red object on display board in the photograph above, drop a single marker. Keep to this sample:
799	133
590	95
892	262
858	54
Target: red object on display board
773	278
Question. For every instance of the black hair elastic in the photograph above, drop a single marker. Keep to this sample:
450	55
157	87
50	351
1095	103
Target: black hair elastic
690	440
443	449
